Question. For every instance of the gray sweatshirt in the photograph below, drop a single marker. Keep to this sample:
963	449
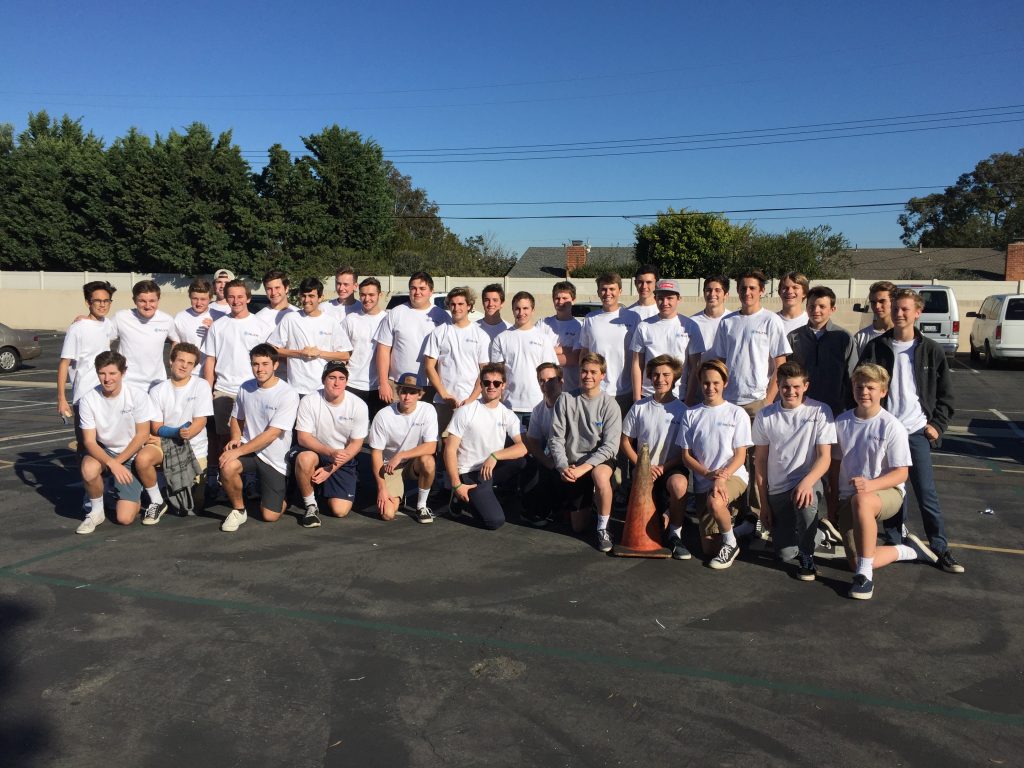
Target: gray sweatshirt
584	430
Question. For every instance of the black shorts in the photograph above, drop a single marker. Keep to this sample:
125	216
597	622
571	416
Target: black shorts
273	484
342	482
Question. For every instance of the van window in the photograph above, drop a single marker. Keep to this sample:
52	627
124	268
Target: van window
1015	309
935	302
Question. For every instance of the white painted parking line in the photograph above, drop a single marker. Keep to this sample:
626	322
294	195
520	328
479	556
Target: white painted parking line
1006	459
64	431
32	370
1011	425
982	410
19	446
976	469
26	405
966	367
29	384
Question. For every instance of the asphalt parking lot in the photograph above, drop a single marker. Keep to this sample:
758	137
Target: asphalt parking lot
390	644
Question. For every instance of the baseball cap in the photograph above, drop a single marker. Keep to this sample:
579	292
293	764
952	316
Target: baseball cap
668	285
410	380
334	366
224	273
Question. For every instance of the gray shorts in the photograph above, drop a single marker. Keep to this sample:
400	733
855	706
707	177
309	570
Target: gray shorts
273	484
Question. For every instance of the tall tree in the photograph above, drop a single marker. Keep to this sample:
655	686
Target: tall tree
982	209
690	243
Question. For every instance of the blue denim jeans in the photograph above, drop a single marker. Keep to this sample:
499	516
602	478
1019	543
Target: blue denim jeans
922	479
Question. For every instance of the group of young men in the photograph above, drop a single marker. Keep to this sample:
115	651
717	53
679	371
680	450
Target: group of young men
554	412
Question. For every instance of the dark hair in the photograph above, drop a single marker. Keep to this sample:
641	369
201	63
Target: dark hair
97	285
275	274
424	276
347	270
722	280
553	366
311	284
881	285
238	284
186	347
822	292
103	359
791	369
200	285
463	291
671	362
494	288
263	350
334	366
609	278
757	274
566	286
372	281
647	269
494	368
524	295
145	286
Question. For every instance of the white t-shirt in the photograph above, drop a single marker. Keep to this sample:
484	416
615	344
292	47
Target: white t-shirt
188	327
644	312
219	309
864	335
405	330
142	344
869	448
746	343
677	336
792	435
229	340
360	329
393	431
522	351
333	425
712	435
297	330
176	406
540	423
262	408
903	402
271	318
339	311
493	330
482	431
791	324
568	333
658	425
708	327
459	353
115	418
609	334
84	340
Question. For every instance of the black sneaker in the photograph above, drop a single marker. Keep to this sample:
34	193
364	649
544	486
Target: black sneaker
806	570
154	512
949	564
604	541
679	550
724	558
424	515
862	587
312	517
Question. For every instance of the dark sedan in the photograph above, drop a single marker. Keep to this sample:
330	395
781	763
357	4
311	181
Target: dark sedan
16	346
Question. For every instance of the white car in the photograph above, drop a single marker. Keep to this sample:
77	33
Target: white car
998	331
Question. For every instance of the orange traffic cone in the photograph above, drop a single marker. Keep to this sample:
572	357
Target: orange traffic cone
641	536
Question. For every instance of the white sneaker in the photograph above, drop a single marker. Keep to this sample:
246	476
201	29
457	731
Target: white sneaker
91	521
234	519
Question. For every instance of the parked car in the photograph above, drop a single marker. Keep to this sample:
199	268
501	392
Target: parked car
940	319
16	346
998	330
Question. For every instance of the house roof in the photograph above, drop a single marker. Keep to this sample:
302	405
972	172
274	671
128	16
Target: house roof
865	263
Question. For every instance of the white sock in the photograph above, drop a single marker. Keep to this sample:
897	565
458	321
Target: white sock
307	500
602	522
97	507
676	530
154	495
866	567
903	552
421	497
729	537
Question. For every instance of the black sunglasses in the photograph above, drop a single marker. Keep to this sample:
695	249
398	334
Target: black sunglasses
492	384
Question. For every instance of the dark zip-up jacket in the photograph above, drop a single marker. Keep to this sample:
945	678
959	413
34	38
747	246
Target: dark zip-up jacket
828	361
931	375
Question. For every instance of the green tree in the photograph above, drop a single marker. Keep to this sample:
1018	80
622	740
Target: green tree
982	209
817	252
690	243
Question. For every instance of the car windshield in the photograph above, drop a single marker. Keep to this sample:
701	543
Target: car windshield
1015	309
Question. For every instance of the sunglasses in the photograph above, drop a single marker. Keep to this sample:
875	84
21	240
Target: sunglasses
491	384
408	391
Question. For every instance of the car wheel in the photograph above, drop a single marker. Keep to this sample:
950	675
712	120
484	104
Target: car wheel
975	354
9	359
990	362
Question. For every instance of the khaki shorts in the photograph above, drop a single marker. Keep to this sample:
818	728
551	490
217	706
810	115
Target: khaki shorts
892	502
735	487
223	402
753	408
395	483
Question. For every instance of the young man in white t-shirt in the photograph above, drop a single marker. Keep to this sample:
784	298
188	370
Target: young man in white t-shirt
192	324
475	455
666	333
793	441
793	288
873	456
716	292
115	420
715	438
141	334
275	285
453	356
261	425
360	328
220	306
655	421
84	340
345	280
543	490
493	299
403	441
308	339
522	348
567	329
401	336
880	302
181	407
608	332
330	428
644	280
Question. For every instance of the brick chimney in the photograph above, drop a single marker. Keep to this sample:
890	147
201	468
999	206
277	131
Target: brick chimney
576	256
1014	261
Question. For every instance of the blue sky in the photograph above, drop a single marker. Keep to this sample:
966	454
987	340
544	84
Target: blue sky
424	76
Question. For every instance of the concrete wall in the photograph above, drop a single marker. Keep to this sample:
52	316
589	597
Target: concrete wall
51	300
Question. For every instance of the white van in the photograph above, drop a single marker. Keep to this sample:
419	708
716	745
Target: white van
940	319
998	330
